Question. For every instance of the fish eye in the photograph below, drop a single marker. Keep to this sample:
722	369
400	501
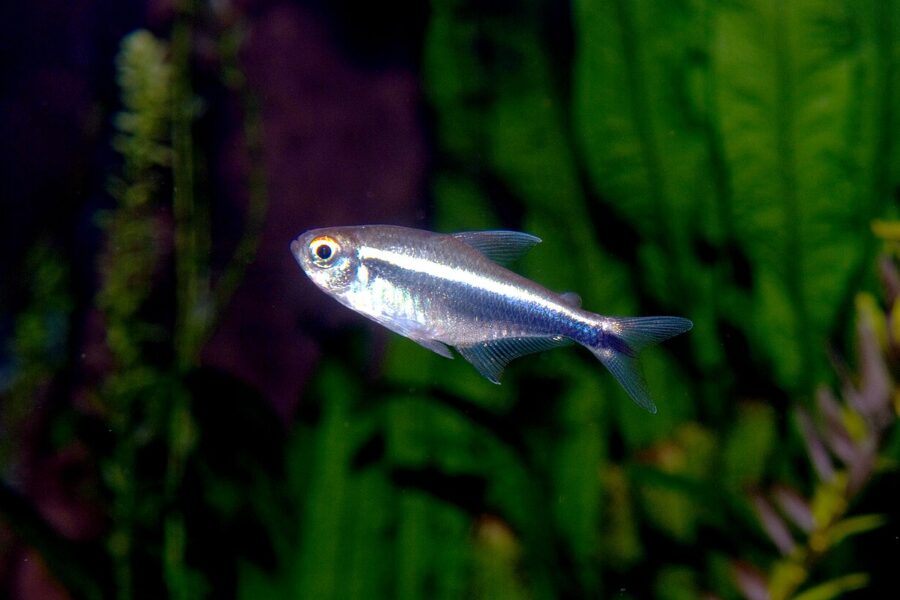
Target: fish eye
323	250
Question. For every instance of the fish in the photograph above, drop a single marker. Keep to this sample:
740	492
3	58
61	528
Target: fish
445	290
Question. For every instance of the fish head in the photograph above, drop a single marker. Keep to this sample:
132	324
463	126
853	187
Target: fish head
328	257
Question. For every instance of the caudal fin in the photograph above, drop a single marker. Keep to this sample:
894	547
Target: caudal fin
622	342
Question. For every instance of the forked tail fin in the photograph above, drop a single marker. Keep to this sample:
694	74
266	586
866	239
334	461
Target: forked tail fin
622	341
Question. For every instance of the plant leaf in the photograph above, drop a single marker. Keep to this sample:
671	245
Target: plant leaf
854	526
835	588
753	128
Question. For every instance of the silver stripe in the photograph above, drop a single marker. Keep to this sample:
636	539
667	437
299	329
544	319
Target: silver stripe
461	276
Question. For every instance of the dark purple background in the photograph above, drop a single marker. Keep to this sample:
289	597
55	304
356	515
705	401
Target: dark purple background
344	142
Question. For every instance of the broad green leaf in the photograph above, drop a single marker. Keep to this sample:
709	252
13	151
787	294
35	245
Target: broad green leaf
671	491
645	146
677	583
497	570
855	526
748	446
621	542
576	477
755	128
315	573
836	588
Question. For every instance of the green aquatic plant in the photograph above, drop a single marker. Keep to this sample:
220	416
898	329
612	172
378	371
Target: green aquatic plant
136	392
720	161
135	230
39	345
161	227
132	395
41	348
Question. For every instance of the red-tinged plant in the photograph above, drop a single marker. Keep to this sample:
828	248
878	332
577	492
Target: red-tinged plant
843	437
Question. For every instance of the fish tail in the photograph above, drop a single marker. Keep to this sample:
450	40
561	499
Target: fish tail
619	340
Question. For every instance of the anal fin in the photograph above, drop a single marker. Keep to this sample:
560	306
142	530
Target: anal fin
414	331
491	357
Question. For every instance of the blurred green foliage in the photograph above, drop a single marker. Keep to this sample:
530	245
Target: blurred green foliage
38	345
721	161
139	395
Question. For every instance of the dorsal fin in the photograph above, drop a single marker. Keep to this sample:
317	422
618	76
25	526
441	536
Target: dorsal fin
490	358
502	247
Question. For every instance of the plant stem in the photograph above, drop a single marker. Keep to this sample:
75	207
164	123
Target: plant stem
191	252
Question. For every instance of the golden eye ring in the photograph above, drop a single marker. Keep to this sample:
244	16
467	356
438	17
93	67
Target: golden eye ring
323	250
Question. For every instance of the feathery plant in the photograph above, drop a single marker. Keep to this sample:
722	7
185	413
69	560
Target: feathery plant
139	390
161	226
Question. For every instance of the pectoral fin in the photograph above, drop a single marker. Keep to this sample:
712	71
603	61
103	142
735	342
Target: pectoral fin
414	331
435	346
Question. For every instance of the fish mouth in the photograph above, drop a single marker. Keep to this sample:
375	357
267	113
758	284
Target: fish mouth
296	248
299	249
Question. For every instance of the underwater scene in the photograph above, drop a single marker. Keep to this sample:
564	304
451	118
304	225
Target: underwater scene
451	299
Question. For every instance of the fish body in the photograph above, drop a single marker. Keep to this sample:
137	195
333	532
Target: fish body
444	290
